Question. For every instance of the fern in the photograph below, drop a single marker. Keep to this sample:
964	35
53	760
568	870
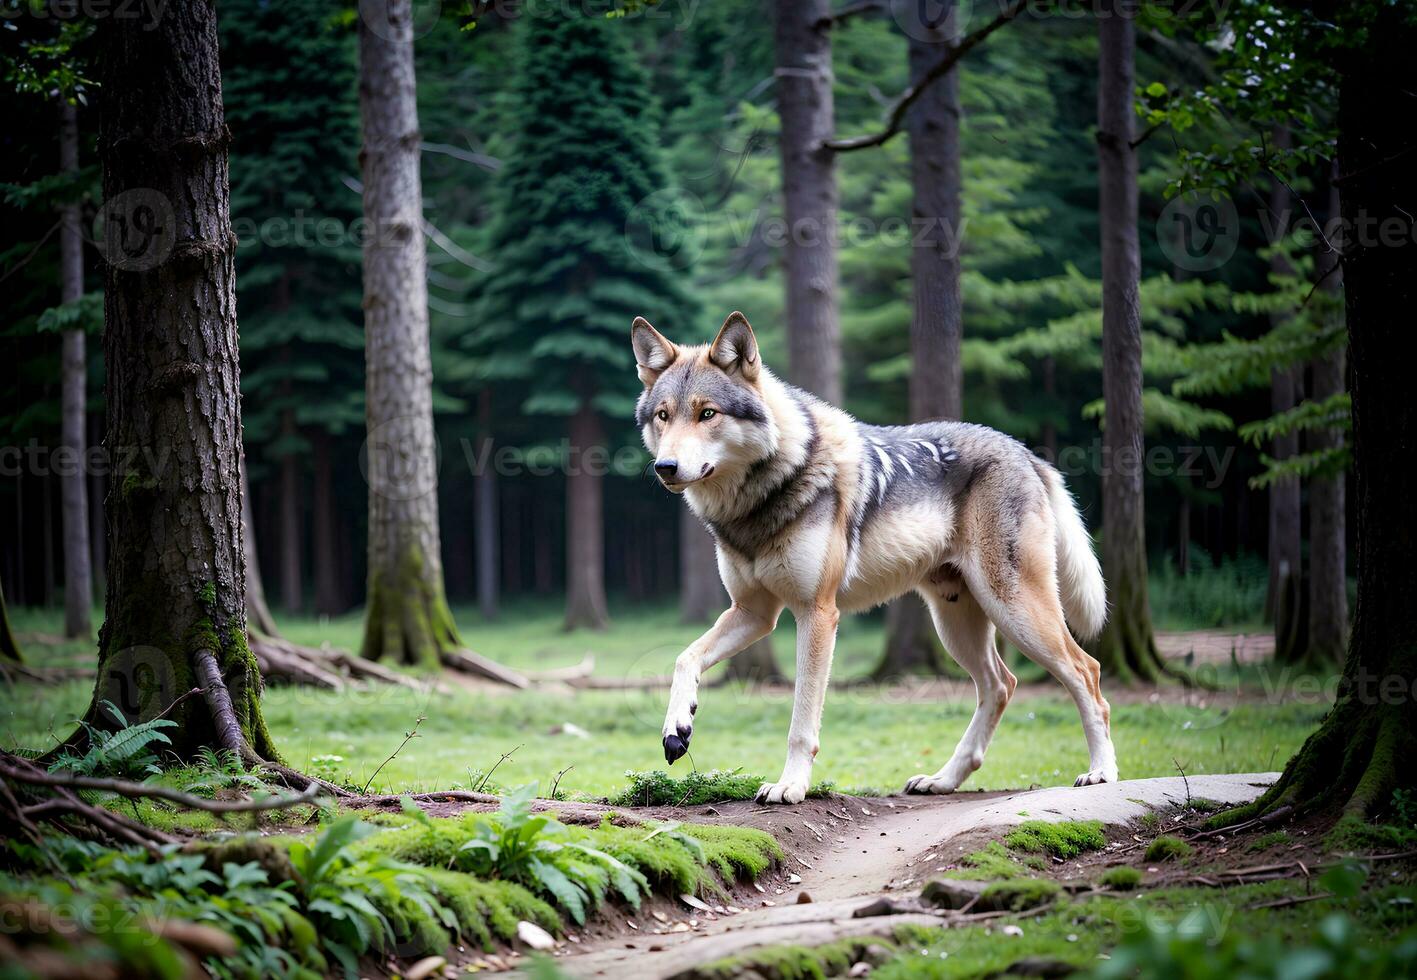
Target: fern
119	753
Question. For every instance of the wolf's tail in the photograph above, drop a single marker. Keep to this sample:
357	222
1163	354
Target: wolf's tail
1080	584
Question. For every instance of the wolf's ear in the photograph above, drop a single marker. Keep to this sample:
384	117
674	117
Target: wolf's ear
653	352
735	348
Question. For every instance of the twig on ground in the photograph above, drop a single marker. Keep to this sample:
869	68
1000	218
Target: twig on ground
407	737
488	775
132	790
1184	781
557	781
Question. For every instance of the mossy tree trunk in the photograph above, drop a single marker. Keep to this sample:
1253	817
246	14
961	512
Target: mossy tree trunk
78	570
176	604
406	614
937	324
1126	648
1364	748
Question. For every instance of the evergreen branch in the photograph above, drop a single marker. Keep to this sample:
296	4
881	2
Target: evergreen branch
1303	466
896	118
1334	412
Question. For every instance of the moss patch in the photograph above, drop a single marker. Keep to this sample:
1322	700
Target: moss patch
1278	838
1063	840
1168	848
1018	894
993	863
736	852
1120	879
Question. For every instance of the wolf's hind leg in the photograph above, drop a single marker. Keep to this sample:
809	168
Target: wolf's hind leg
969	637
740	626
1032	619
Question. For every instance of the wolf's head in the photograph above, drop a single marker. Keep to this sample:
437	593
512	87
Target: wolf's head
703	412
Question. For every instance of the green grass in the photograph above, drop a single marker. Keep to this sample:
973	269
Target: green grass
993	863
870	739
1121	879
1066	839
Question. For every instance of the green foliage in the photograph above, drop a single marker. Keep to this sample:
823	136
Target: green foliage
1018	894
1067	839
1277	838
1168	848
1122	879
658	788
1194	948
121	753
990	864
1227	593
219	769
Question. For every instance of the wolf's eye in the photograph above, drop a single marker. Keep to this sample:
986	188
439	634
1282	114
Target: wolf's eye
706	414
662	415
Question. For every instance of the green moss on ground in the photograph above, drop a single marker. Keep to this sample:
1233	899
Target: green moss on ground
1019	894
489	910
1168	848
990	864
1353	834
1278	838
1120	879
834	959
655	787
1065	840
736	852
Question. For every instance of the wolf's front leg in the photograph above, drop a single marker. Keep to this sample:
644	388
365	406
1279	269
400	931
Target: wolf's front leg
816	640
740	626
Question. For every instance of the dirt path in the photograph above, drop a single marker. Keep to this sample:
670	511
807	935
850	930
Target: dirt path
849	850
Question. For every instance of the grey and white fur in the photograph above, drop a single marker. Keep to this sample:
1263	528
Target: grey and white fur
818	513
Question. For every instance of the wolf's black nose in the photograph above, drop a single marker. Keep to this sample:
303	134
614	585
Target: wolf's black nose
666	468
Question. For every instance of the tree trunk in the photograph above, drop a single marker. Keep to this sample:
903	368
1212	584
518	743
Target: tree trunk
701	593
98	524
9	647
258	613
486	533
290	495
805	111
328	600
78	574
1362	751
176	603
1328	557
937	324
406	614
1127	648
585	525
1284	504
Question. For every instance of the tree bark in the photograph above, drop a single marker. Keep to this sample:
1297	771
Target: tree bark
1362	751
290	496
406	615
1126	648
1328	555
328	598
585	525
98	524
258	613
803	78
78	573
937	323
486	531
701	593
9	647
177	572
1284	503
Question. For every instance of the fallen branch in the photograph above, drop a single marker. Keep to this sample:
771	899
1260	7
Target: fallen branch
475	663
132	790
96	822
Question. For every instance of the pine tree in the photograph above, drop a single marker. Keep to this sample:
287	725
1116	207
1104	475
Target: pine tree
289	77
583	242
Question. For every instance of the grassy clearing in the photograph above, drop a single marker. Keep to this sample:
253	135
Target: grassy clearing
872	739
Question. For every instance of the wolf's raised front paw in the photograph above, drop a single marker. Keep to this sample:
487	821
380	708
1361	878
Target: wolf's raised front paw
930	784
677	743
788	793
1092	778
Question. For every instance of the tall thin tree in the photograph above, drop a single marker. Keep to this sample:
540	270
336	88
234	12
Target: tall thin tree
937	321
1127	648
1328	527
406	616
78	572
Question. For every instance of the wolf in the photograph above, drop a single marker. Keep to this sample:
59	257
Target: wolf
816	512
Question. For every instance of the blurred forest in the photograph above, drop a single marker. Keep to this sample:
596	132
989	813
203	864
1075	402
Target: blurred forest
692	103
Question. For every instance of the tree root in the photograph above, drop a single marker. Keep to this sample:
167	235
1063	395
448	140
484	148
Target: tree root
327	668
475	663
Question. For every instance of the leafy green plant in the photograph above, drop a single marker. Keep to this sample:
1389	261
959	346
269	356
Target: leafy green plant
535	850
221	769
122	753
364	904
